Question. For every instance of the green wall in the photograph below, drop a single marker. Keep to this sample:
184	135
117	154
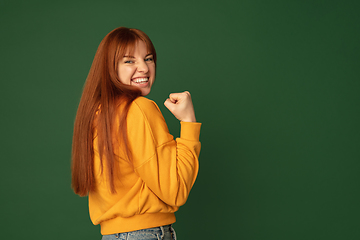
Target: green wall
275	83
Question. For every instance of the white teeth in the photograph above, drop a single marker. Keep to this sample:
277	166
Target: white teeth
141	80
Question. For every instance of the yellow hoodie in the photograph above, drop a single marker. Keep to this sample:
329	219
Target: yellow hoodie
158	181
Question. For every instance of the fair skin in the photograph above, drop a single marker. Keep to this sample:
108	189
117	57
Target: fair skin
181	106
138	69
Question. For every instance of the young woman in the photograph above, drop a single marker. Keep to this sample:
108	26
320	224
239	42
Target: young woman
133	171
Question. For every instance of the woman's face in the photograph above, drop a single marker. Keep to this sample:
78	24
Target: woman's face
138	69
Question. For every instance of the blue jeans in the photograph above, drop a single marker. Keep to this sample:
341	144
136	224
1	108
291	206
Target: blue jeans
157	233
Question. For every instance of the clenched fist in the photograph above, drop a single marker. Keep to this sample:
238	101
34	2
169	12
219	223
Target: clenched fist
181	106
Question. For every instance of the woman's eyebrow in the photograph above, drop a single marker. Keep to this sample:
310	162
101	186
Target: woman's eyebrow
126	56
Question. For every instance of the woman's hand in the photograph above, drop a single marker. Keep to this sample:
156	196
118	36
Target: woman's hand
181	106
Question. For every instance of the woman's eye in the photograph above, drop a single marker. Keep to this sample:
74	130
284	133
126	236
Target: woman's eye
149	59
129	61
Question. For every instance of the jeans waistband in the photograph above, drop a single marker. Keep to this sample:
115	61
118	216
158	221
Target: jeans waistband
161	231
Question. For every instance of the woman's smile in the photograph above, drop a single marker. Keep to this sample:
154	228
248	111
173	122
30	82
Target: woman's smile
140	82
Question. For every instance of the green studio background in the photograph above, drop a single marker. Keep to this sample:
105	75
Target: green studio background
275	84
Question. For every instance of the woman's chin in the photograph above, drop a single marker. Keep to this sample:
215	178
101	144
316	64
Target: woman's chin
144	88
145	91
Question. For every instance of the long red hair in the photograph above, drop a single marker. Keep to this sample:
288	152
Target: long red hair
101	96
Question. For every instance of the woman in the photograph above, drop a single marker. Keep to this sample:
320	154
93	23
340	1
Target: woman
135	174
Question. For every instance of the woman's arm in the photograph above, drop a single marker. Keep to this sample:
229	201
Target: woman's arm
167	167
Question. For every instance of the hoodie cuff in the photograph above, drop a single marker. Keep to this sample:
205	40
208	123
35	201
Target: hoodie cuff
190	131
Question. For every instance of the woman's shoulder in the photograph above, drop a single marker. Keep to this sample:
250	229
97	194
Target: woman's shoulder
145	112
145	105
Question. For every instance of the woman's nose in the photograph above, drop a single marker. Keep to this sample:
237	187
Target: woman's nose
143	67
